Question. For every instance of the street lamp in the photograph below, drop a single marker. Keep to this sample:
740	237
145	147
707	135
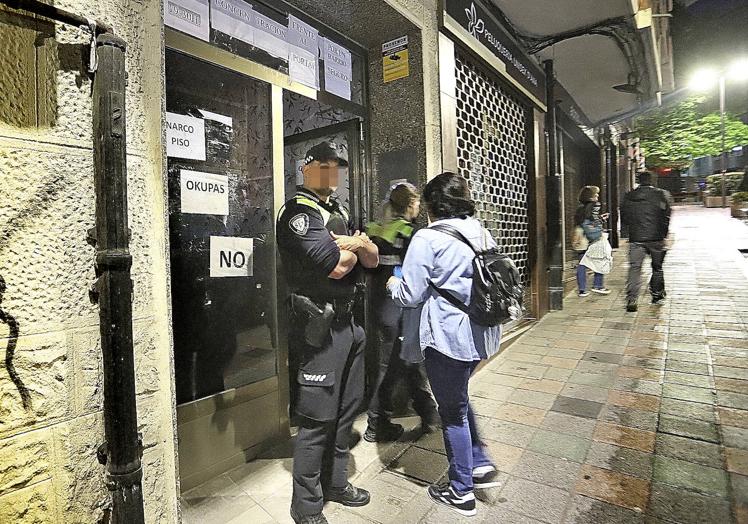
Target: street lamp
704	80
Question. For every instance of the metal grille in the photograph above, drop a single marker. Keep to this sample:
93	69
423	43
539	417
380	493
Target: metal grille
492	156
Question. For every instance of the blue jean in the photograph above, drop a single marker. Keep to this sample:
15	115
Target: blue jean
582	276
449	383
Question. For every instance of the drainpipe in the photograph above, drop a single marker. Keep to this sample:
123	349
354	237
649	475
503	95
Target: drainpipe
122	449
553	198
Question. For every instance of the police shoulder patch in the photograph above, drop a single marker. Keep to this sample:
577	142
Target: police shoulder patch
299	224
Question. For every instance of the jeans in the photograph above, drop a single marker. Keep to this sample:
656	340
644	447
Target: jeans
637	252
465	452
582	277
392	369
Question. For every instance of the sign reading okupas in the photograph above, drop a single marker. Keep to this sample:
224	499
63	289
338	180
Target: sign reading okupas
338	68
471	20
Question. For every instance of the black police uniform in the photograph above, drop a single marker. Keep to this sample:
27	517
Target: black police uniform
330	378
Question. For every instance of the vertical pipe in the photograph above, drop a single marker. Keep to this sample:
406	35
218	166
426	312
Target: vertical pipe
553	198
123	449
722	154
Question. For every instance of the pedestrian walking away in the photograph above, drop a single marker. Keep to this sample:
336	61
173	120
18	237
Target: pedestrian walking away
588	221
392	236
453	345
322	258
645	214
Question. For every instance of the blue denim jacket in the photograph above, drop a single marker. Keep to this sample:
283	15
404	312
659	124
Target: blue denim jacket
435	256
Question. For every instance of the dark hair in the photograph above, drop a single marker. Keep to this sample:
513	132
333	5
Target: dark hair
401	197
645	178
448	196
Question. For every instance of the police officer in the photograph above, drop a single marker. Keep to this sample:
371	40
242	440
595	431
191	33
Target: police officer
322	257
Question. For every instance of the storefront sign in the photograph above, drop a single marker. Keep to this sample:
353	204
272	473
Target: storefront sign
270	36
302	35
203	193
338	69
185	137
395	59
231	257
303	53
189	16
476	23
234	18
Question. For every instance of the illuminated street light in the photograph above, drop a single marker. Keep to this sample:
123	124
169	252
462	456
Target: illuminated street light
703	80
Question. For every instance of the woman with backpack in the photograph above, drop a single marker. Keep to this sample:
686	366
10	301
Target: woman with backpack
453	345
589	219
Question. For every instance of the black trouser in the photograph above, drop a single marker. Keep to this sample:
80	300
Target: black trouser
637	252
392	368
327	408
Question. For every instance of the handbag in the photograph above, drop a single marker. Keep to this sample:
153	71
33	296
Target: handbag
410	335
599	256
579	240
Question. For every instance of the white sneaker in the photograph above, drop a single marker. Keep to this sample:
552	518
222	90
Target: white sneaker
601	291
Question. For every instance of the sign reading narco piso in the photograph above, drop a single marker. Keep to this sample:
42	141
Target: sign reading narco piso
473	23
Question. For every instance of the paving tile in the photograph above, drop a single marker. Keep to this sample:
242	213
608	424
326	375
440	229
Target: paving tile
520	414
542	385
686	409
705	396
503	455
730	399
669	503
518	356
613	487
733	417
544	469
216	501
521	369
634	400
695	477
740	488
568	424
640	351
687	367
683	356
575	354
592	393
731	384
558	374
505	432
556	362
688	427
730	372
735	437
623	460
688	379
641	362
587	510
577	407
490	391
633	418
559	445
737	460
624	436
502	380
608	358
535	500
589	366
601	380
642	373
535	399
572	343
420	464
494	514
635	385
691	450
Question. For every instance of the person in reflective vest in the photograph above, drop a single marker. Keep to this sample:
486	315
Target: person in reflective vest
392	237
322	256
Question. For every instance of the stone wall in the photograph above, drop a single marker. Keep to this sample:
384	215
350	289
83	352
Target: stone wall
51	419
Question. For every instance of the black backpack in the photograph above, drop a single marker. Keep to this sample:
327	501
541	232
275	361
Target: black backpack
497	291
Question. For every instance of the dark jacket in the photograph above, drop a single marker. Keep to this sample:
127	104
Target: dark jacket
645	214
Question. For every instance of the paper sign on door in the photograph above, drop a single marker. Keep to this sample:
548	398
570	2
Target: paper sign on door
204	193
231	257
185	136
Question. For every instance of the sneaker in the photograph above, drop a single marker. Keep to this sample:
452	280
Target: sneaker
319	518
583	294
485	477
348	496
462	504
658	300
632	307
601	290
383	432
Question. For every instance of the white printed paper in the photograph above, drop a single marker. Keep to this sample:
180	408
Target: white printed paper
270	36
300	172
231	257
189	16
223	119
338	69
234	18
303	67
185	137
302	35
204	193
337	82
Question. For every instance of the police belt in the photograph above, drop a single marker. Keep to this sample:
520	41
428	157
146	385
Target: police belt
342	306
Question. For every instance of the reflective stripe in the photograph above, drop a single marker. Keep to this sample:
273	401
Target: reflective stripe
390	260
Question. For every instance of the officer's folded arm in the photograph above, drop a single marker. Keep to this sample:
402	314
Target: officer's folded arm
345	265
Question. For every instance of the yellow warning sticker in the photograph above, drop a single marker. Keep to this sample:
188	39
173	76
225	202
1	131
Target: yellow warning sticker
395	59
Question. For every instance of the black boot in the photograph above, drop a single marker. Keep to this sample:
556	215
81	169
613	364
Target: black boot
383	432
319	518
348	496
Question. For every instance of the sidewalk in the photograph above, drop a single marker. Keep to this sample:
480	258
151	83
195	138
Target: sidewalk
593	416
